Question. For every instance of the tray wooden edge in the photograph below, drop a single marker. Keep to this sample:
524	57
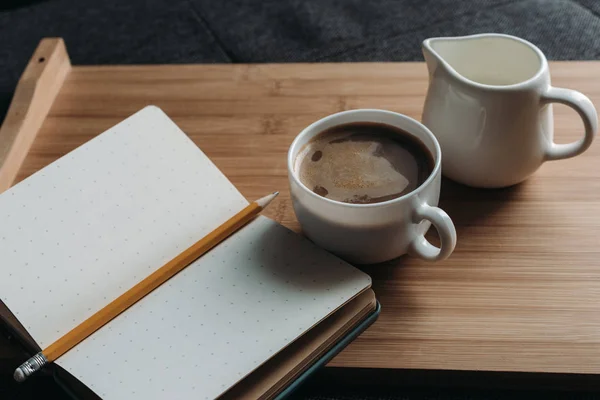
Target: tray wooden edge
36	90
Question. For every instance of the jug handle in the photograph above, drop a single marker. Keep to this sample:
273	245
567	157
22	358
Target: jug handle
584	107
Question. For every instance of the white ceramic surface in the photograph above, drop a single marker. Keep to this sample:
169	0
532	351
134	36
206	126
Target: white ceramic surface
372	233
489	105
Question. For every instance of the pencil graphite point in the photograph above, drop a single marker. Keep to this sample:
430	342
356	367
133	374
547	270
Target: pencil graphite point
264	202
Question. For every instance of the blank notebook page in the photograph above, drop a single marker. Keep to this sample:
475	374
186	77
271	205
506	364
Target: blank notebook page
89	226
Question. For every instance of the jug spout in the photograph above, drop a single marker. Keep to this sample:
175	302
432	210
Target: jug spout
485	60
447	54
432	59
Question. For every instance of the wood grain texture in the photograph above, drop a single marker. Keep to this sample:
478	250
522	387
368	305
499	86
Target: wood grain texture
38	86
522	290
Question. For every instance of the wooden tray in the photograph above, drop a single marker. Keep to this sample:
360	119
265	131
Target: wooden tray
520	293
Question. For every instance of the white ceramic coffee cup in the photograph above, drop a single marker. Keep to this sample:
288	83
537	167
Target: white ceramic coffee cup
377	232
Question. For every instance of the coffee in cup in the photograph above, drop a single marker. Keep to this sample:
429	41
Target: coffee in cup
363	163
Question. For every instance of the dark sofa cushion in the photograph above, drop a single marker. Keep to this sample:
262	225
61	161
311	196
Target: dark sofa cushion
201	31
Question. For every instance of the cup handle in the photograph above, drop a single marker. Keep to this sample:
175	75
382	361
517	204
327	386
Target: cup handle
584	107
421	247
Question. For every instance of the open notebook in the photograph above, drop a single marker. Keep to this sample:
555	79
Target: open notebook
86	228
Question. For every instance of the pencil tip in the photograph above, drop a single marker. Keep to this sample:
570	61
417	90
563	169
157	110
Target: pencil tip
266	200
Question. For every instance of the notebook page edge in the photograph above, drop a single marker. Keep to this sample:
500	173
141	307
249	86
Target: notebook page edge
270	381
328	345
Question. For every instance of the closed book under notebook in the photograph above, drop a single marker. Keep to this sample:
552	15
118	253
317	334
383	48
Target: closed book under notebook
89	226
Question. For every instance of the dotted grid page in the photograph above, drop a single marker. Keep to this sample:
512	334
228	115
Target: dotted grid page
86	228
218	319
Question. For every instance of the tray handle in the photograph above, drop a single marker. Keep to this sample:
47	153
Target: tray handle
37	88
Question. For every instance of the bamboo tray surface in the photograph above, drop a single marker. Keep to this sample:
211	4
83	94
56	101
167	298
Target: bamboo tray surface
520	293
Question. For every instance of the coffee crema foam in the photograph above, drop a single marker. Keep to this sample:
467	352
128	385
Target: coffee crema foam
363	163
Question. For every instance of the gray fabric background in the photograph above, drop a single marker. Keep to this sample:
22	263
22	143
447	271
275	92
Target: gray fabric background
225	31
234	31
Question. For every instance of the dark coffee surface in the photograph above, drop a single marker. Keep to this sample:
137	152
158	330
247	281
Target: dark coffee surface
363	163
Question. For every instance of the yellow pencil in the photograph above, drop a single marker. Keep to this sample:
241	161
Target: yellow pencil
137	292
